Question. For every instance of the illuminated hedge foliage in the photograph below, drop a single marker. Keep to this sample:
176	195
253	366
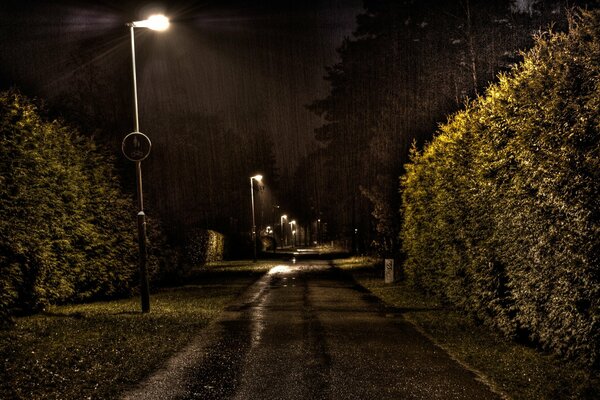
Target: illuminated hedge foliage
67	232
501	208
204	245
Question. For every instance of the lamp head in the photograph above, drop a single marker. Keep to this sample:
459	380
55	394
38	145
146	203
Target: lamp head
257	178
156	22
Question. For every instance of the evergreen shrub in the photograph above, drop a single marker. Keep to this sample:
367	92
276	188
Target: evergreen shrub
500	210
67	231
204	245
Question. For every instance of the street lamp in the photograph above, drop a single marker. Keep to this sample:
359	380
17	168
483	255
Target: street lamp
318	231
292	227
273	207
257	178
136	147
282	228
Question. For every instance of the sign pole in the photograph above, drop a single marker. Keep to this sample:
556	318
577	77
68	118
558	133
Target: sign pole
137	156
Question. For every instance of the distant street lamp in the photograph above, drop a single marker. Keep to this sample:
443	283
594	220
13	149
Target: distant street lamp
273	207
282	228
257	178
293	229
136	147
318	231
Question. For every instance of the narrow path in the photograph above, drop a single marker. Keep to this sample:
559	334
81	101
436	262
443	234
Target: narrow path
309	332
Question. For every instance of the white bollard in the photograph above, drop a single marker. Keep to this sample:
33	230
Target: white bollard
391	272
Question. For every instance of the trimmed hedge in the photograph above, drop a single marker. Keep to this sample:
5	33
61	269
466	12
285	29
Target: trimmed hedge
500	210
67	232
204	245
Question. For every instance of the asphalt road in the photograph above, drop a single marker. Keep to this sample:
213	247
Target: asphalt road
309	332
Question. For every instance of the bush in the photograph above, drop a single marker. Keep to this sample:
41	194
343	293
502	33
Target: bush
67	232
164	259
204	245
501	209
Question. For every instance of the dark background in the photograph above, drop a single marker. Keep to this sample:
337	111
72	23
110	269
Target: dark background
237	73
223	94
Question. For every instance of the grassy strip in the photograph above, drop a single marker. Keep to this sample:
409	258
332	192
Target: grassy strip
519	371
96	350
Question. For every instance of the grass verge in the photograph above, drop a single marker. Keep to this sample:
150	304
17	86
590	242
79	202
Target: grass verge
516	370
96	350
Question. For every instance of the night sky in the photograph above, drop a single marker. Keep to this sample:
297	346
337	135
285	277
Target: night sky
255	65
223	92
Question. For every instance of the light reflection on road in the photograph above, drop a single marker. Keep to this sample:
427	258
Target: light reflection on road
280	269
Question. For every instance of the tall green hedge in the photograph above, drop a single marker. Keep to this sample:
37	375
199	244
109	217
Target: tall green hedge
500	210
67	232
204	245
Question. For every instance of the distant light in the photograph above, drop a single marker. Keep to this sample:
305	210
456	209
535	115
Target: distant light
284	216
155	22
257	178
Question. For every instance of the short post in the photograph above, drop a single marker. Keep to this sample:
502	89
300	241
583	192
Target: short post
391	271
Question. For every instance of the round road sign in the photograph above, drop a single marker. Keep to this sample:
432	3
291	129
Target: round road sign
136	146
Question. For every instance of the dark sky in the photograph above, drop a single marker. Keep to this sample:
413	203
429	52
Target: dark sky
254	64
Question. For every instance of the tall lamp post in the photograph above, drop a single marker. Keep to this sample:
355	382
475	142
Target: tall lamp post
293	229
318	231
274	206
136	147
284	216
257	178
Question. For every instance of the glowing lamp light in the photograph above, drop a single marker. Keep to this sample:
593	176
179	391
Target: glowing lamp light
155	22
257	178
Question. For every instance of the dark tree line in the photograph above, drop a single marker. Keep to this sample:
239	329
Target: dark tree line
407	66
197	173
200	175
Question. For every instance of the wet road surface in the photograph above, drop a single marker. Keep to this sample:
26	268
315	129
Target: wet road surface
309	332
